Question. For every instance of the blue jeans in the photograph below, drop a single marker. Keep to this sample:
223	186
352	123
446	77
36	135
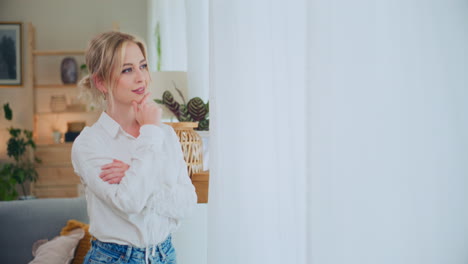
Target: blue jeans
106	253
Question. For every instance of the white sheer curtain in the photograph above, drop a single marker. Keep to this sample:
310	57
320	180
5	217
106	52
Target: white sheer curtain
198	48
171	16
361	158
256	211
389	131
183	29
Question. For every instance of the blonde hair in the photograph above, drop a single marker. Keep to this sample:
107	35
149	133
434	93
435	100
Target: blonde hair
104	57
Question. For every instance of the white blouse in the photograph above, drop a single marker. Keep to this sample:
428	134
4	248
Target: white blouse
155	192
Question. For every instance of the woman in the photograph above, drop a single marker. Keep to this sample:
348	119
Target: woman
136	181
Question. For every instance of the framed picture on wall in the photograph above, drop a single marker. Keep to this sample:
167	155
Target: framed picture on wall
10	54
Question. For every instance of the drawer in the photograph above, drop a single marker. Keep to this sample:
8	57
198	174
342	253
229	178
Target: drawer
56	176
63	191
54	154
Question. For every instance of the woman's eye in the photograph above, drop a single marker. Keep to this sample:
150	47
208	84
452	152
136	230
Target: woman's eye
127	70
144	66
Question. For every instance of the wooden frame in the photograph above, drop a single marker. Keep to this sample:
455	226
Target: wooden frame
11	56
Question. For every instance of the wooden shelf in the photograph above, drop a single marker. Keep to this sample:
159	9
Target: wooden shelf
57	52
56	86
201	182
66	112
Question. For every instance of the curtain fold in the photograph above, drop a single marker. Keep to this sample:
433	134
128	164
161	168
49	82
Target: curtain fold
170	15
257	198
339	132
184	42
197	49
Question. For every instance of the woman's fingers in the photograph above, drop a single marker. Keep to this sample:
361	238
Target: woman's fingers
145	98
147	112
122	164
114	172
110	171
115	163
114	178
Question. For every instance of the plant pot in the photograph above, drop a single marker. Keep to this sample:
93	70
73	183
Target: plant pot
192	145
205	135
28	197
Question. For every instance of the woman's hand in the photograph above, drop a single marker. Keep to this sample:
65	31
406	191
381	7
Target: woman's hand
114	172
147	112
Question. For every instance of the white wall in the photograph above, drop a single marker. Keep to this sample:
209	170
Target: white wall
388	131
61	24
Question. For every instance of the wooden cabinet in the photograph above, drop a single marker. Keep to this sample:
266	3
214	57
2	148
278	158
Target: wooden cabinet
56	175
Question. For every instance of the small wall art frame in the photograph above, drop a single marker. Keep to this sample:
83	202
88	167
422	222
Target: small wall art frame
11	54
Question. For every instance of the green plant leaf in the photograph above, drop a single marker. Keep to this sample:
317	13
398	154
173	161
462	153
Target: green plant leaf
14	132
179	92
28	133
8	112
197	108
184	115
158	45
204	125
20	175
16	148
171	103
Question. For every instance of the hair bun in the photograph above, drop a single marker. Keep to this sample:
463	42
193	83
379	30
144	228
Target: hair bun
85	82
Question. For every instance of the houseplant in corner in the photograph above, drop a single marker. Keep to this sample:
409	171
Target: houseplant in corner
193	111
21	170
191	115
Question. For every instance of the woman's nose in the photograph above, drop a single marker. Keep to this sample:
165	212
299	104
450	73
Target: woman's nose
140	75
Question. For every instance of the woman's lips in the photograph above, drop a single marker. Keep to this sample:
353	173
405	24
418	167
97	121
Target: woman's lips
140	90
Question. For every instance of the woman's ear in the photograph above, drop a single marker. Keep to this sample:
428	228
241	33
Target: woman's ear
99	84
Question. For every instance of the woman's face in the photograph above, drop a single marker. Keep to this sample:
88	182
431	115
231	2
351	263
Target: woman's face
132	84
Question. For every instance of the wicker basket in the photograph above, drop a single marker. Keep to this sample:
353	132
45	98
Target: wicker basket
192	145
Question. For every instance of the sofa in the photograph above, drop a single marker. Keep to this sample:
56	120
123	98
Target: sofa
25	222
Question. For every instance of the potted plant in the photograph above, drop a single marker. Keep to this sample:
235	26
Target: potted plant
22	169
193	111
193	115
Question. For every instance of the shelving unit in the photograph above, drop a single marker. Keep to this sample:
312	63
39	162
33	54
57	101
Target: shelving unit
60	86
56	175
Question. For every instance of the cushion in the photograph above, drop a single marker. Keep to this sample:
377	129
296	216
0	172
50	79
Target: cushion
24	222
85	243
59	250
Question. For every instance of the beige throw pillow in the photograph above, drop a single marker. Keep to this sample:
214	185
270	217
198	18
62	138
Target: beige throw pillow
59	250
85	243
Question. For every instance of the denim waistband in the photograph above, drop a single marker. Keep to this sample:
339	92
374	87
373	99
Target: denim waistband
124	249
